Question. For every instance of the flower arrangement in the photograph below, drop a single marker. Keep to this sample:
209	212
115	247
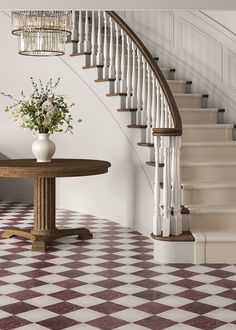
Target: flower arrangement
44	111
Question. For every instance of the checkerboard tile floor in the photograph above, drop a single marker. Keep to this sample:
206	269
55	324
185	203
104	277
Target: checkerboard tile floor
109	282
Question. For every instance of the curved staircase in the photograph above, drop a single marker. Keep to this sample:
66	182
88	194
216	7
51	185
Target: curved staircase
195	217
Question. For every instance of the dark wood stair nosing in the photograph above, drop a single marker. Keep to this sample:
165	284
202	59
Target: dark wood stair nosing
104	80
93	66
137	126
127	109
116	94
144	144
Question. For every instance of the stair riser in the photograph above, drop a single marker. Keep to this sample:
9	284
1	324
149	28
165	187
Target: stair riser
190	101
209	196
208	173
199	117
207	134
208	153
220	252
180	87
213	221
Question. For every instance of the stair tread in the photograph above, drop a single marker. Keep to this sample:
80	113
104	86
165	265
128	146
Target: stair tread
212	208
190	95
209	144
208	184
179	81
210	235
208	163
137	126
208	126
201	109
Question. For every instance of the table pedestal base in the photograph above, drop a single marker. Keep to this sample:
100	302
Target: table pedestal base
39	242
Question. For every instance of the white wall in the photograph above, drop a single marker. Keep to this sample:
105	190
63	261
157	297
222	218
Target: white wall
125	193
200	49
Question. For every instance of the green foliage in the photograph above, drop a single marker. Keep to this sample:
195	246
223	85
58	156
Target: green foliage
44	111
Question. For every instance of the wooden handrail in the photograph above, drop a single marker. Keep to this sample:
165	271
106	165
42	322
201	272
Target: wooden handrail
177	130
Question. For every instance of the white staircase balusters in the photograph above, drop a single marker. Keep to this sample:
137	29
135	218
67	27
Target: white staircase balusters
134	74
157	192
123	64
176	227
149	106
99	40
128	74
117	60
80	34
166	186
111	70
105	49
93	40
87	43
139	90
74	35
134	80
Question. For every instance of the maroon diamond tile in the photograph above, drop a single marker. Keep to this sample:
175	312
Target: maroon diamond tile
215	265
74	272
220	273
150	295
204	323
110	273
66	295
148	283
36	273
155	323
70	283
109	283
17	308
146	273
183	273
32	283
146	265
198	308
107	323
109	295
62	308
24	294
108	308
193	294
12	322
153	308
187	283
231	307
231	294
226	283
58	323
181	266
41	264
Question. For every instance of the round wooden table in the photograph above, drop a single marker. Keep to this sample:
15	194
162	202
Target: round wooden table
44	175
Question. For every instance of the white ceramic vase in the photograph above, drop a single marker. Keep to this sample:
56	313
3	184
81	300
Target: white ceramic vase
43	148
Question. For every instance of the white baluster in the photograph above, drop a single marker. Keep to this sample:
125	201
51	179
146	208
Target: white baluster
157	190
149	106
99	41
144	94
154	106
139	90
134	80
105	49
176	227
117	61
122	65
80	34
87	43
128	98
166	186
111	51
74	35
93	40
158	105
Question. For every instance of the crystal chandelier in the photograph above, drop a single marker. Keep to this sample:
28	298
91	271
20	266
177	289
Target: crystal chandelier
41	33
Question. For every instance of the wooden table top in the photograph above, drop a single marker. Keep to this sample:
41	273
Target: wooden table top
30	168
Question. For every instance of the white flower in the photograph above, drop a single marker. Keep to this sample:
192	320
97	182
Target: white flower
48	107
